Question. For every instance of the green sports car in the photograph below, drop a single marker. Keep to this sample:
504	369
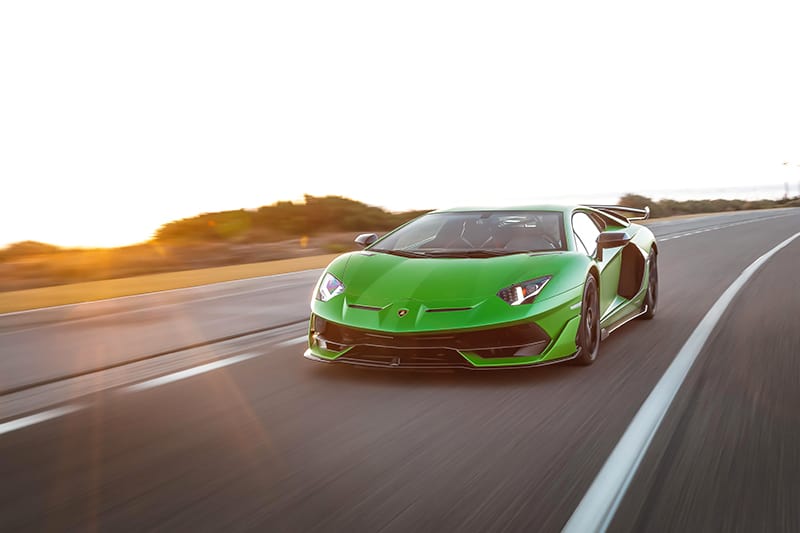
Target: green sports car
482	288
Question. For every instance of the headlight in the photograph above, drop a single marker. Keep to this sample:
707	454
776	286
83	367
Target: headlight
525	292
329	287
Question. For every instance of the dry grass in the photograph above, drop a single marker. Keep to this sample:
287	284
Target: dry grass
99	290
34	269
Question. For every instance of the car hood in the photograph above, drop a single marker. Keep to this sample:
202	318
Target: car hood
380	279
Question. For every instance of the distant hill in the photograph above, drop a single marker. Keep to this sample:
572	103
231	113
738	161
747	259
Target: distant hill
27	248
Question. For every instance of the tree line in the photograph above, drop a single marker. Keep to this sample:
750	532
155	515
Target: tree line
668	208
282	220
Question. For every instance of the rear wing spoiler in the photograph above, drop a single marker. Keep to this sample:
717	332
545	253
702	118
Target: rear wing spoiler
627	213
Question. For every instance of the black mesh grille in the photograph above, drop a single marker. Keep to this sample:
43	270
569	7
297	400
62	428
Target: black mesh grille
528	350
393	357
489	340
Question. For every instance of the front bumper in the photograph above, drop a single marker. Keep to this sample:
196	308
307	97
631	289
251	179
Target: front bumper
504	346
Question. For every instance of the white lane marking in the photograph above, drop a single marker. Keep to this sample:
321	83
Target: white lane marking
62	392
189	372
719	226
296	340
26	421
166	291
597	508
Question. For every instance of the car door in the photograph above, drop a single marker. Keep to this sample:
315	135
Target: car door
586	229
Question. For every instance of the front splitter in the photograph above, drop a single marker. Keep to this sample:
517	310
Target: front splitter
309	355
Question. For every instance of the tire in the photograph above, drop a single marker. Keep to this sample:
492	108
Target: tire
651	298
589	328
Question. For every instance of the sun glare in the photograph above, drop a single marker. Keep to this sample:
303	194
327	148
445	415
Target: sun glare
84	228
98	237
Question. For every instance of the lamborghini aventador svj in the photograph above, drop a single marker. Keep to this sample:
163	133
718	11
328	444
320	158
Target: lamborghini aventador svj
485	288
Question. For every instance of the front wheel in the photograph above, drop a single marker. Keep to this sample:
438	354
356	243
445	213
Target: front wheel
589	328
651	298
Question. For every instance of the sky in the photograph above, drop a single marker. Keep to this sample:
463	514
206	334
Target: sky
116	117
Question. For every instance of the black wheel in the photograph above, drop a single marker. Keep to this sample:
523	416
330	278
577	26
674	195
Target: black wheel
651	299
589	329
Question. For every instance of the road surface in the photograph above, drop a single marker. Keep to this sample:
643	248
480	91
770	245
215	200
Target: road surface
107	424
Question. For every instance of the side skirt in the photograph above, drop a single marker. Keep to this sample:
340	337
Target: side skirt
605	332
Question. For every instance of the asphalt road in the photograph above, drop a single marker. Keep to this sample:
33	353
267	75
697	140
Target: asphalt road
42	345
273	442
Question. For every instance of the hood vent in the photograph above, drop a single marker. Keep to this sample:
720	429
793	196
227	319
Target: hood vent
366	307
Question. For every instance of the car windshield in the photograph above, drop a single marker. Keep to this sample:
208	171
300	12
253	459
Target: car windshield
476	234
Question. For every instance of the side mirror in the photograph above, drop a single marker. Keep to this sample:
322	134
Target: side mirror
365	239
611	240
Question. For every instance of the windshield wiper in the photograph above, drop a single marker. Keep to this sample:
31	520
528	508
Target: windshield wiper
401	253
448	253
473	253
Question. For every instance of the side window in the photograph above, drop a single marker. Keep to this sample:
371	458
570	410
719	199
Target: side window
586	232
